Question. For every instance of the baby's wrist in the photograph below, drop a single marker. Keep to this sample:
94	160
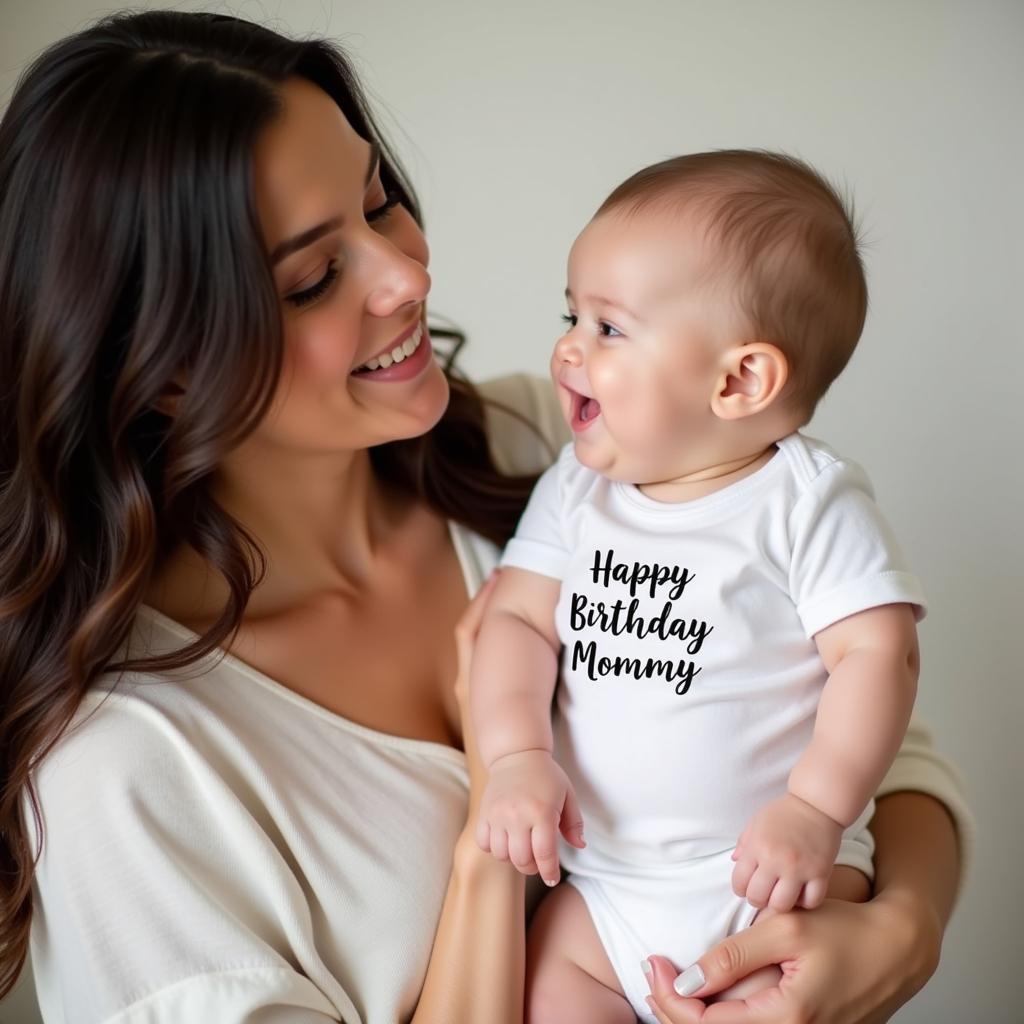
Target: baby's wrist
820	812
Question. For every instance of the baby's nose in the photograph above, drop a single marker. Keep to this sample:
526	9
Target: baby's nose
567	349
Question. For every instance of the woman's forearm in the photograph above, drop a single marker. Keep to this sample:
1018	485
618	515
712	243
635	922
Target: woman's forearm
476	967
917	863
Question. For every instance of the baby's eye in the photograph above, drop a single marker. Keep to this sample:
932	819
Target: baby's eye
604	328
569	318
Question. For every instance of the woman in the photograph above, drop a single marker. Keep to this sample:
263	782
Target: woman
242	512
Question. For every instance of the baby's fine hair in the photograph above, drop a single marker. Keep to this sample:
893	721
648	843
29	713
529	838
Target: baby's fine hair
788	251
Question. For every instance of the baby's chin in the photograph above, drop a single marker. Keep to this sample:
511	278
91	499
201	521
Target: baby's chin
610	464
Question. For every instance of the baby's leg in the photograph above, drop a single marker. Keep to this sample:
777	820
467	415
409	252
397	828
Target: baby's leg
846	883
569	979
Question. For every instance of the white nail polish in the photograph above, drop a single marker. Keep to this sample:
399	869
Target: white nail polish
645	966
690	981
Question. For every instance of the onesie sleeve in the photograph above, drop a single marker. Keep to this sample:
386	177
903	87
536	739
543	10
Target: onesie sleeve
540	543
158	898
845	556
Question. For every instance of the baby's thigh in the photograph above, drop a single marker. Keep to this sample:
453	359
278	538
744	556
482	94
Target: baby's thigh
569	979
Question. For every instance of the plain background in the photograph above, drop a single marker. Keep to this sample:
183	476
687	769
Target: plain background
516	119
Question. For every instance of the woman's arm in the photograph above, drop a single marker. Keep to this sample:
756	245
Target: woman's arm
917	862
845	963
476	969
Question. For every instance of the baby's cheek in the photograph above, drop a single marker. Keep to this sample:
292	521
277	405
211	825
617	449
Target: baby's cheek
655	424
624	389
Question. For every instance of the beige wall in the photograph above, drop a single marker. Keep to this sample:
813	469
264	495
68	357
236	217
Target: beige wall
517	118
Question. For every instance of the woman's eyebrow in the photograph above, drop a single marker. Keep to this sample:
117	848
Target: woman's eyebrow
310	235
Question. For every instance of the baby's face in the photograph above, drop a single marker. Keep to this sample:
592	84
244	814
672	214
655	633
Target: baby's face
645	337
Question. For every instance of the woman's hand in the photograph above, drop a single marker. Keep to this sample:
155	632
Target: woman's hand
842	963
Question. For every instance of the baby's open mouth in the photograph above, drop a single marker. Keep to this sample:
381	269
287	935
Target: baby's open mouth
584	411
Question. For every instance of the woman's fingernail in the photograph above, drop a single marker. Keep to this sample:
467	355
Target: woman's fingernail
690	981
645	966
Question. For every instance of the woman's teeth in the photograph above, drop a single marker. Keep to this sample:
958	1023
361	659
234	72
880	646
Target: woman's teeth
397	354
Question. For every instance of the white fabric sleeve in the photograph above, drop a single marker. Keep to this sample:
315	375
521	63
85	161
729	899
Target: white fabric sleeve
160	898
539	544
845	556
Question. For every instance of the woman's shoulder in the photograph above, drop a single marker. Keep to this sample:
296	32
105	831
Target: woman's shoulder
136	738
119	751
524	422
146	844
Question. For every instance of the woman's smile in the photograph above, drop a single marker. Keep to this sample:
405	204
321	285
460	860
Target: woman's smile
403	359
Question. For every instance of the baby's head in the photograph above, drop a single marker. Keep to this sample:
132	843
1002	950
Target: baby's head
712	301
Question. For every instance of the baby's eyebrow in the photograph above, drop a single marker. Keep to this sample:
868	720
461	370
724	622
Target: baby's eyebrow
600	300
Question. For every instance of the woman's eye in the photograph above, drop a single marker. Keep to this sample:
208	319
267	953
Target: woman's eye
301	298
569	318
382	212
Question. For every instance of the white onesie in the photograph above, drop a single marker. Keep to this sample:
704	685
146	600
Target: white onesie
690	677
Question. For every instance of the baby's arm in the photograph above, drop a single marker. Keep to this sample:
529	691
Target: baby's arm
512	678
786	853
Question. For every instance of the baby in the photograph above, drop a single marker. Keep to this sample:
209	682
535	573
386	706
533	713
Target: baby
737	619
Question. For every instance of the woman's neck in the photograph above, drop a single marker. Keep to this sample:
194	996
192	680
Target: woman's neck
321	520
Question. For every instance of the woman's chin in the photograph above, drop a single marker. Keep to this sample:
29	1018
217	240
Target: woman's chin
422	410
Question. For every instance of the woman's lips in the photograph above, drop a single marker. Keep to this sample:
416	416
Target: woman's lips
410	366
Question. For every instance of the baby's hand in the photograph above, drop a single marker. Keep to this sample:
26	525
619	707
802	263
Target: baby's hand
785	856
527	801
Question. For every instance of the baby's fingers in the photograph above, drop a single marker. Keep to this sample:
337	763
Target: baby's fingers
742	873
759	890
483	834
545	853
814	893
570	822
785	894
499	843
520	851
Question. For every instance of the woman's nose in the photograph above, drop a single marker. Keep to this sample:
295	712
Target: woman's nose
397	279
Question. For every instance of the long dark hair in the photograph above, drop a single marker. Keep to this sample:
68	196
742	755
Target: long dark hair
125	191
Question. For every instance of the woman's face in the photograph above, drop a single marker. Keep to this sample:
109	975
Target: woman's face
352	290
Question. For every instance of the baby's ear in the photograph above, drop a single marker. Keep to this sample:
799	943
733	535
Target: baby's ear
751	378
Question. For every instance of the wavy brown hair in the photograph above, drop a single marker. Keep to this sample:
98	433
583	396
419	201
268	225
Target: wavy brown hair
130	250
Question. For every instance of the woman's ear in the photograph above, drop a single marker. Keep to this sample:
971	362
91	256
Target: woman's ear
752	377
167	401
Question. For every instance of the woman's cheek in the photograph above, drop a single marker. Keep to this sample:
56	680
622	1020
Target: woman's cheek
322	349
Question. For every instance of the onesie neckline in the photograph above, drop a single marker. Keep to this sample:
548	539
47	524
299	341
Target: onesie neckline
717	501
